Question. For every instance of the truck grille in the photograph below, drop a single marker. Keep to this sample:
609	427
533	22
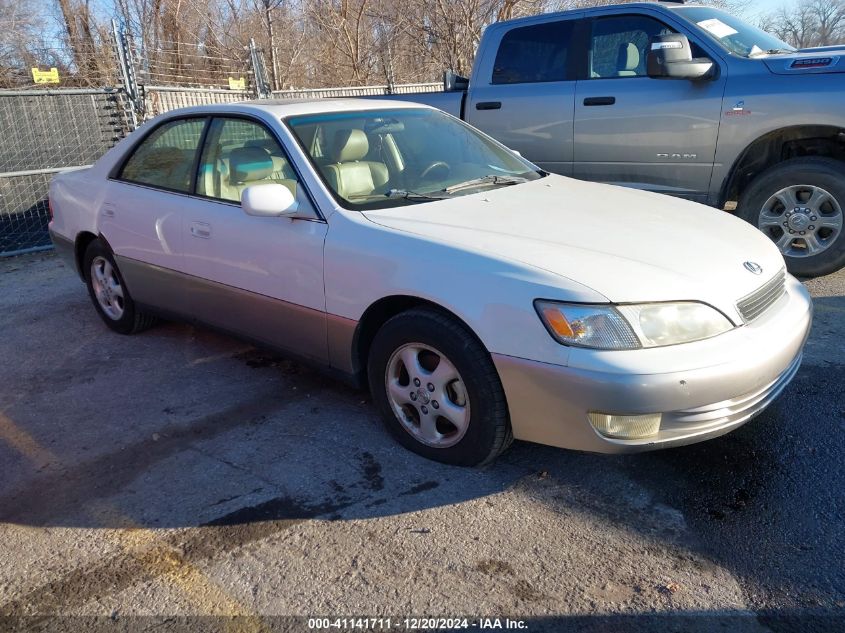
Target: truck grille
752	306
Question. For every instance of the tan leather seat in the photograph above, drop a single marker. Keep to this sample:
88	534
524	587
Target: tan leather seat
628	60
348	174
249	166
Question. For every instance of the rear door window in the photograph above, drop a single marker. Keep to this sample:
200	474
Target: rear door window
534	54
167	157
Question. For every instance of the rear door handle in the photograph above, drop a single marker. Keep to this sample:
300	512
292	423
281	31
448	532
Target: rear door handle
599	101
108	210
488	105
201	230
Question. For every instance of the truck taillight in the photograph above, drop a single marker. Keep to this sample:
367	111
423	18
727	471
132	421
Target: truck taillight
50	207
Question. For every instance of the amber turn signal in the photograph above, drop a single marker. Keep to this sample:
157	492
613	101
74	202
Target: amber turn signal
558	322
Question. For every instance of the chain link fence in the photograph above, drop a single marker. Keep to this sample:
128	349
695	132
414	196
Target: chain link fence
160	99
72	123
42	133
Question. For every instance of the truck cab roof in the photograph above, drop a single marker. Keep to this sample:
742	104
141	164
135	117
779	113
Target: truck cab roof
586	11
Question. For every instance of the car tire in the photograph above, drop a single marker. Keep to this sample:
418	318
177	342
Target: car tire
455	412
109	293
786	198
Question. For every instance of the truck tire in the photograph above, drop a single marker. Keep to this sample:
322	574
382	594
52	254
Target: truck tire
799	204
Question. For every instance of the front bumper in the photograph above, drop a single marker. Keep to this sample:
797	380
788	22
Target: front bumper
549	404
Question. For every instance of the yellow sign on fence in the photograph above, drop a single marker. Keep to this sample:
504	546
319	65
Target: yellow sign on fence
45	76
237	84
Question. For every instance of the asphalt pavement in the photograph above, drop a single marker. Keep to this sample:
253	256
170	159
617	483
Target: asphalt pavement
182	473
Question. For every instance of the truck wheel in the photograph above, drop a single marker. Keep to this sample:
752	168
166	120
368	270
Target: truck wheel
799	204
438	390
109	293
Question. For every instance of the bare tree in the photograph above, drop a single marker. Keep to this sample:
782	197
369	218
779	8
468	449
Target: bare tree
308	43
810	23
83	40
830	18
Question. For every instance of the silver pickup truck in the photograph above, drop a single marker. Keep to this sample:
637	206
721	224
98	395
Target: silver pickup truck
678	99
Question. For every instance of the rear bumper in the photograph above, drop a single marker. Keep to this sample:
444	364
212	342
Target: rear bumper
549	404
64	248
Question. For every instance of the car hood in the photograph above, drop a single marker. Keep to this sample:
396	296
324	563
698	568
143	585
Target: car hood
628	245
827	59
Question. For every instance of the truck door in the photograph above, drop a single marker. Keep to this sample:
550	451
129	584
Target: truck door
523	92
632	130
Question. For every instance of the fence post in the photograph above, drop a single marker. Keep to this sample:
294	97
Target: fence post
127	73
259	72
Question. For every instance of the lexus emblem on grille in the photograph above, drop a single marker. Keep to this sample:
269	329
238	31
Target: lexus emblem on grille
753	267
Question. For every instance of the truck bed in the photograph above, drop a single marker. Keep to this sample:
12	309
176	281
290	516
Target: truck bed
450	102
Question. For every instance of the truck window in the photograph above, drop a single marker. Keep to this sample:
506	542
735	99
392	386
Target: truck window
533	54
619	44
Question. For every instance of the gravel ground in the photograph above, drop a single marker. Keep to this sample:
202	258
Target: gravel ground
182	473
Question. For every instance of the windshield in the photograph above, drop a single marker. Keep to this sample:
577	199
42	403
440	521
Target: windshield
384	158
733	34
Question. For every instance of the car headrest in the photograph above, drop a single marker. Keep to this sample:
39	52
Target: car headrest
349	145
629	57
267	144
247	164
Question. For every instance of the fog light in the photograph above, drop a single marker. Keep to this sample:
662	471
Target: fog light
626	427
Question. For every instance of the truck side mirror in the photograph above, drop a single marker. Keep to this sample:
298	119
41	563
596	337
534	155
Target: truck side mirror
670	57
453	82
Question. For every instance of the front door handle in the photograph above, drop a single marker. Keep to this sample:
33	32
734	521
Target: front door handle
201	230
488	105
599	101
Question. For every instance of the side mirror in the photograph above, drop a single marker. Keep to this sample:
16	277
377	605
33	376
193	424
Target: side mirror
670	57
270	200
453	82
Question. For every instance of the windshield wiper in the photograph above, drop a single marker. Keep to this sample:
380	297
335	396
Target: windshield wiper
490	179
771	51
413	195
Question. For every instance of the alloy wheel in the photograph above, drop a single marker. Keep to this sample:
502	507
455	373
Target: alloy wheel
803	220
427	395
107	288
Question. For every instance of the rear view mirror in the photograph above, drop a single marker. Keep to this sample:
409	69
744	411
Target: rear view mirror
384	126
269	200
670	57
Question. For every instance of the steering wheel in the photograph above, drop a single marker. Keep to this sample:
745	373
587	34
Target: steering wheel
425	174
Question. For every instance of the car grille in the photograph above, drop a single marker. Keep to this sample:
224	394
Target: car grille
755	304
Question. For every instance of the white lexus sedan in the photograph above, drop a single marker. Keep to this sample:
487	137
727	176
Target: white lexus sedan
480	298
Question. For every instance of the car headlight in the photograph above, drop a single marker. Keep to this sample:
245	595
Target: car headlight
631	326
594	326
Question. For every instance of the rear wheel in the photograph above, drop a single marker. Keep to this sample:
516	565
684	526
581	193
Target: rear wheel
438	390
799	204
109	293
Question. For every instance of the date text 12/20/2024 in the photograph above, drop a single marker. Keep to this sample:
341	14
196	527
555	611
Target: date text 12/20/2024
415	624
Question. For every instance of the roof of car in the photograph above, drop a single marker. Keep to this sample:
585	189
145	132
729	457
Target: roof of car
585	11
290	107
